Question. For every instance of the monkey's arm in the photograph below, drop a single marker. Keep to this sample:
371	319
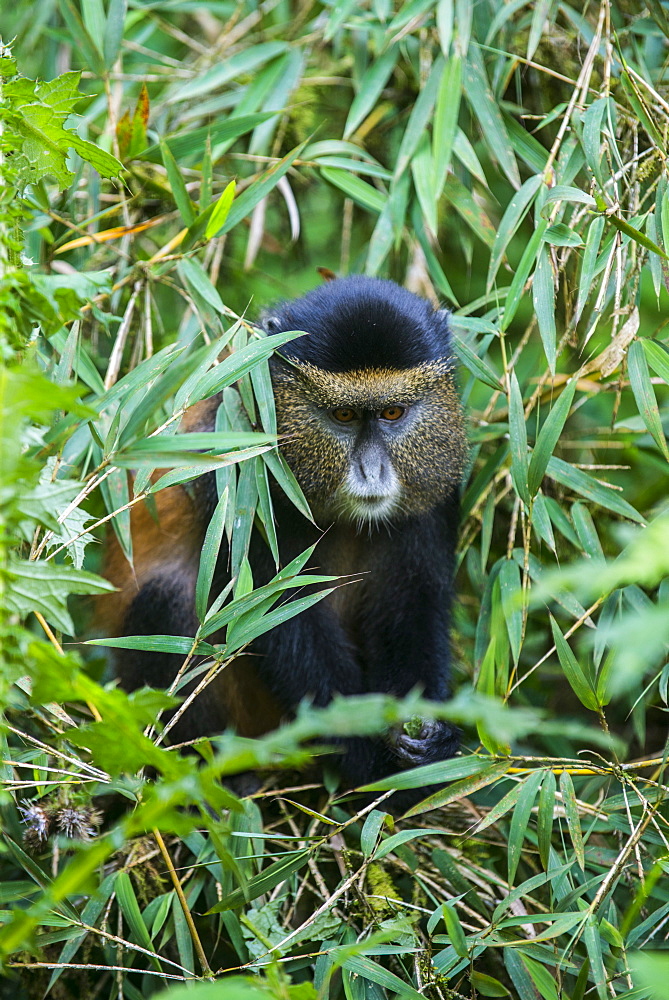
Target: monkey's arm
408	645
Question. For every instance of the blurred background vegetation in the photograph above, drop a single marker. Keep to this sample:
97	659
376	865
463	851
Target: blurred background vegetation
176	168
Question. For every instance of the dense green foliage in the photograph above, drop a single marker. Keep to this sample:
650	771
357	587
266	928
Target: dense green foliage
506	159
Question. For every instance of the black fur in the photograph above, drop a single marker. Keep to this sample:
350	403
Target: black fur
390	633
395	638
359	322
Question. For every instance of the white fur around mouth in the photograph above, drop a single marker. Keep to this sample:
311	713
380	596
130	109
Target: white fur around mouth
369	509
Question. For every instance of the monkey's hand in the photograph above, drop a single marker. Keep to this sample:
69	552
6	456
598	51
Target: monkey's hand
437	740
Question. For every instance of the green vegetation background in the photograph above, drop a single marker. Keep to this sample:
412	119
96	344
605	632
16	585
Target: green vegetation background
169	169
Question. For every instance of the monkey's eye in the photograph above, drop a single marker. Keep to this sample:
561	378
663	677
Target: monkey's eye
392	413
344	414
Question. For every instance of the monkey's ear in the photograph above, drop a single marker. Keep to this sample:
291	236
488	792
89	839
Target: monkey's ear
271	324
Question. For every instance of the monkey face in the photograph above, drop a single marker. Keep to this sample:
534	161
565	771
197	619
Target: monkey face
371	445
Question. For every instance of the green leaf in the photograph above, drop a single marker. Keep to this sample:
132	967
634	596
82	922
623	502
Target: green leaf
644	394
127	900
512	604
487	985
354	187
446	120
221	211
586	486
422	171
479	368
244	631
540	976
181	645
45	587
209	555
273	875
371	84
191	145
543	294
593	944
232	368
228	70
517	286
520	820
592	243
462	200
360	965
539	15
579	682
485	108
420	117
573	821
513	216
455	931
657	356
85	44
371	830
549	436
197	466
248	199
518	441
113	35
641	109
561	235
545	817
459	789
281	471
197	279
635	234
177	185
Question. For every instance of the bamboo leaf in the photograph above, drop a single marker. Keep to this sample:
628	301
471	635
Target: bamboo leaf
527	261
586	486
446	120
518	441
644	394
549	436
485	108
455	931
512	605
513	216
273	875
573	821
221	211
420	116
479	368
209	555
371	830
543	294
592	243
354	187
520	819
545	817
371	84
578	681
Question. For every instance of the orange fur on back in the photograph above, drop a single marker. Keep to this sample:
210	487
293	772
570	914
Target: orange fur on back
167	540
